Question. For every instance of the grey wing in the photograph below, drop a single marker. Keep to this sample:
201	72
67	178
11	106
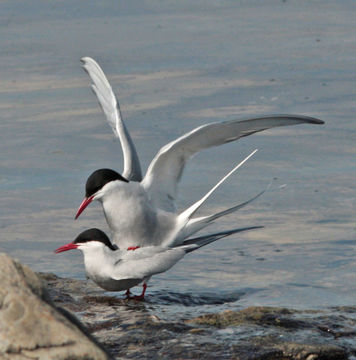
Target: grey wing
111	109
166	168
147	261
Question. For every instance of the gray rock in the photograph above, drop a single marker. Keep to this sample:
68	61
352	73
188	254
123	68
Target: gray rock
31	326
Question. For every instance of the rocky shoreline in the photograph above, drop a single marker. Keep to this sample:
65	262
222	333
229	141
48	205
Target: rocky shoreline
37	321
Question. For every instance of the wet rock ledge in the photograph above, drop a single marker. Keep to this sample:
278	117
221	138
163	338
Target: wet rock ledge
36	322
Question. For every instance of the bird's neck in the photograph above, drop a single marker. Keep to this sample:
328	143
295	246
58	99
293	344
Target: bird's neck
98	261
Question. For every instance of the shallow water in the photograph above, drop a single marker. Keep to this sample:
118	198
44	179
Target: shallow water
175	67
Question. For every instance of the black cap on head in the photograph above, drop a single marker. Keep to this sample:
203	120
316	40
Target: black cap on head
94	235
99	178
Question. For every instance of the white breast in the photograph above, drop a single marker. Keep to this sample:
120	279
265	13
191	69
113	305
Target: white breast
132	217
129	213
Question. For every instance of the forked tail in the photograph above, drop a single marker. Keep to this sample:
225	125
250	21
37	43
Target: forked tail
196	243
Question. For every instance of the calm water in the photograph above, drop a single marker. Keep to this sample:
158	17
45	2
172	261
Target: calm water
175	67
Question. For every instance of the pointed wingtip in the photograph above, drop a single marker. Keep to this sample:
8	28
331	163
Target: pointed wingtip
316	121
290	117
310	119
256	227
84	62
86	59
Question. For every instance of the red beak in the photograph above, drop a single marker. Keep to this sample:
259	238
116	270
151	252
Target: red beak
67	247
83	205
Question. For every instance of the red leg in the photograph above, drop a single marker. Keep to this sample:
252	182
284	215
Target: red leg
142	296
128	293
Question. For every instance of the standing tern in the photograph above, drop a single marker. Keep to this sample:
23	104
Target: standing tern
142	211
118	270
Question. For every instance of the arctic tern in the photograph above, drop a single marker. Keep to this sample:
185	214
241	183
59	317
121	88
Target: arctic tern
118	270
141	211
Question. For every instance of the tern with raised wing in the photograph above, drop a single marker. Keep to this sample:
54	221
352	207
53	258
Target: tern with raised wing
117	269
142	211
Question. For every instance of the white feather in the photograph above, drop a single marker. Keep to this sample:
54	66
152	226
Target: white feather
111	109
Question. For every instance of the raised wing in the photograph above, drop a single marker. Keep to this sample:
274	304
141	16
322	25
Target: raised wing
166	168
111	109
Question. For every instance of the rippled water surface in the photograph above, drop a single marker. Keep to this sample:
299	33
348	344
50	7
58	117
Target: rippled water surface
175	67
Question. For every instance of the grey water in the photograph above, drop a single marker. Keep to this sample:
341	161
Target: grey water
175	66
